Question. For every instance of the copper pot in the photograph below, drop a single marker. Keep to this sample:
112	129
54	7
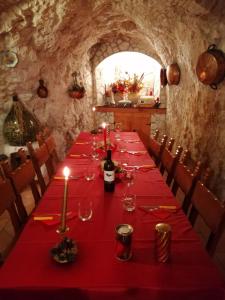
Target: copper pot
163	78
210	67
173	74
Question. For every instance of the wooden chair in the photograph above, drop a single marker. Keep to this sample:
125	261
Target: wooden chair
166	153
48	139
208	207
184	179
155	148
169	161
51	146
41	158
21	178
7	203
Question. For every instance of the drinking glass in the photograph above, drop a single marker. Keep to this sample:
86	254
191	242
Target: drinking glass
94	154
85	209
129	175
129	201
89	173
117	128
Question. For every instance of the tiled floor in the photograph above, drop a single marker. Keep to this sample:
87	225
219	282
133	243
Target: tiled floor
7	233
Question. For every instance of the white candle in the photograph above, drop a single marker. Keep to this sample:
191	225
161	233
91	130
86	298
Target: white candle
94	116
66	173
104	135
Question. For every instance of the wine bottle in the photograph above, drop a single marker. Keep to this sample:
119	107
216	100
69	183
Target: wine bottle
109	173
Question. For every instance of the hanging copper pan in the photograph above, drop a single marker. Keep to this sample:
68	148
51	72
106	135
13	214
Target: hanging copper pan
210	67
173	74
163	78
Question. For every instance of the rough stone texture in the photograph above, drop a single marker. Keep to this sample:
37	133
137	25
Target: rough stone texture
55	38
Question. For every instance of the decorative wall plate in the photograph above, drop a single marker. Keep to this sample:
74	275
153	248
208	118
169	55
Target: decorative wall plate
8	58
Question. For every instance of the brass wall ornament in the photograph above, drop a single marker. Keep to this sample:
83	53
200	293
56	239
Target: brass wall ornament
210	67
8	59
173	74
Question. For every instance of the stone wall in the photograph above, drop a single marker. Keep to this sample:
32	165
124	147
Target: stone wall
55	38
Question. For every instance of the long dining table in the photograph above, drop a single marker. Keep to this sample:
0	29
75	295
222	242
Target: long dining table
30	272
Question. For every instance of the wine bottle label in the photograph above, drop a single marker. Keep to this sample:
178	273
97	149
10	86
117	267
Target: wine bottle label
109	176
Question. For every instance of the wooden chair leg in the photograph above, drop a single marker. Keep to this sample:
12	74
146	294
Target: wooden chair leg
193	215
175	188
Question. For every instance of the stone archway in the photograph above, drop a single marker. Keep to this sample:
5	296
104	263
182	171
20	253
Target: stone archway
127	65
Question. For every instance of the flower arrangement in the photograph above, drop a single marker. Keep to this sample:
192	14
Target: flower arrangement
129	85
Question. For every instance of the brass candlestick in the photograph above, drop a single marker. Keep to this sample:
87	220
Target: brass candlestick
63	228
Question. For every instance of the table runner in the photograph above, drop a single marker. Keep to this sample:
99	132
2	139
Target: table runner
30	272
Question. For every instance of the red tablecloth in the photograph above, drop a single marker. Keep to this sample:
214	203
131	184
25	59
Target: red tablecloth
31	273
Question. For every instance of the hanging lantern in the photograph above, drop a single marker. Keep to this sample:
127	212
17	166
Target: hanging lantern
20	126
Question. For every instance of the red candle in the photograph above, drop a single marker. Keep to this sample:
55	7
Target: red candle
104	135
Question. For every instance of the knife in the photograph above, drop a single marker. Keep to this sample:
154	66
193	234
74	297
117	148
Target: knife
141	166
152	207
136	152
79	155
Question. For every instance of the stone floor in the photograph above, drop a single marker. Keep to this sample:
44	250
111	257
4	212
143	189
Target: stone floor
7	233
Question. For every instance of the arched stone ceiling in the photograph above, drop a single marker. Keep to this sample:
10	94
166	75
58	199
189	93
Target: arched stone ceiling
54	38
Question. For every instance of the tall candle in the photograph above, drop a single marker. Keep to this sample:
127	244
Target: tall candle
63	228
94	116
104	135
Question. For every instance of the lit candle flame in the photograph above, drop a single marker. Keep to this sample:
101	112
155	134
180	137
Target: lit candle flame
104	125
66	173
93	108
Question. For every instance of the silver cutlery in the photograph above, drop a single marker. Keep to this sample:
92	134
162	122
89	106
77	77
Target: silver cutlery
148	208
136	152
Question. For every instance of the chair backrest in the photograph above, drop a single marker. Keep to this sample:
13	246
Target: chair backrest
166	156
169	161
7	203
51	146
48	139
41	157
156	147
22	178
205	204
185	180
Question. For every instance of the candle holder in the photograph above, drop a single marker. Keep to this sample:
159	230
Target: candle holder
63	228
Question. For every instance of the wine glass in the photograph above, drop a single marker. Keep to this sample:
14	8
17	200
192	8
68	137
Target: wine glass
118	128
94	154
129	175
89	173
129	201
85	209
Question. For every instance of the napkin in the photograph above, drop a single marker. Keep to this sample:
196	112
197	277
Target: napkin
161	212
52	218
